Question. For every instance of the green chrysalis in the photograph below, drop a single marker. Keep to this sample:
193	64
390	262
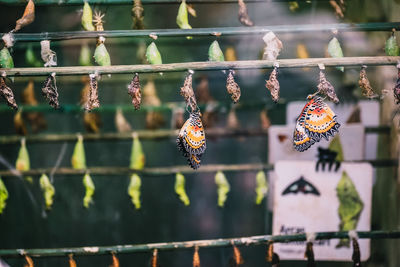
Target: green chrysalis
335	50
23	162
78	159
138	158
182	18
336	145
87	17
48	190
134	190
89	186
84	57
101	55
262	187
180	189
31	59
223	188
391	47
153	55
215	53
3	196
6	60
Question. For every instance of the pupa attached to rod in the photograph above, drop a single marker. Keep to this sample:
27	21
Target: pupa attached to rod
396	89
223	188
325	87
101	55
243	16
134	91
31	59
28	261
232	122
48	56
180	189
19	124
93	99
115	261
273	84
7	93
134	190
89	190
237	256
187	91
85	58
273	46
153	55
121	123
232	87
215	53
391	47
23	162
36	119
261	187
6	60
364	84
78	159
196	257
154	259
50	92
48	190
71	261
265	121
335	49
339	7
87	17
272	257
27	18
182	18
137	15
3	196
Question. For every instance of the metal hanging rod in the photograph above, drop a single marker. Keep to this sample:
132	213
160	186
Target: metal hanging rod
211	243
203	66
224	31
149	135
158	171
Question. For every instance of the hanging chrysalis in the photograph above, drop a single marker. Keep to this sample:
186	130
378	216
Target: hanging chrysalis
71	261
121	123
272	257
87	17
232	120
28	261
138	158
223	188
356	256
265	120
215	53
180	189
48	56
7	94
237	256
78	159
261	187
23	163
182	18
6	60
273	46
89	190
137	15
31	59
47	189
325	87
85	58
232	87
19	123
391	47
302	51
335	50
3	196
230	54
154	259
364	84
243	15
101	56
92	122
115	261
93	99
196	257
338	7
273	84
49	90
293	6
316	121
27	18
134	91
134	190
187	91
36	119
396	89
153	55
154	119
309	255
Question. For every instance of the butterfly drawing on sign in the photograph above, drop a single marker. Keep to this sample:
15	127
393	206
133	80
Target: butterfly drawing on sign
301	186
316	121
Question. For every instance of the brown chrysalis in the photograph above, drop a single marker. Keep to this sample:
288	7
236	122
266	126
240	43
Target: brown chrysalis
232	87
115	261
19	123
356	253
28	17
338	7
28	261
93	99
196	257
72	262
154	259
273	85
98	21
243	15
237	256
134	91
265	121
309	255
272	257
396	89
187	91
7	94
137	15
364	84
36	119
49	90
326	88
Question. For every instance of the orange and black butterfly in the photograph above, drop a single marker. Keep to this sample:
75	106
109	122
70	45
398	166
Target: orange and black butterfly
192	140
316	121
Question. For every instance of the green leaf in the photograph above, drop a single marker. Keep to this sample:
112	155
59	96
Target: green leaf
262	187
89	186
85	58
134	190
182	18
215	53
223	188
78	159
391	47
101	56
31	59
48	190
180	189
87	17
138	158
153	55
336	145
335	50
6	60
3	196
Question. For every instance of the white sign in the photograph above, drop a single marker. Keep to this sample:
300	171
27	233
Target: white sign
307	201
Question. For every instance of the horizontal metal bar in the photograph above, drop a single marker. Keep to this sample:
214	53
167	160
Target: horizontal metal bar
224	31
203	66
211	243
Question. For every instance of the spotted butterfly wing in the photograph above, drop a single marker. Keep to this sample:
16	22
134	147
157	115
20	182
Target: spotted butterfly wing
316	121
192	136
194	161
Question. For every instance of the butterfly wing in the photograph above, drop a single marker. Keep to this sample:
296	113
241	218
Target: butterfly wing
301	139
194	138
194	161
